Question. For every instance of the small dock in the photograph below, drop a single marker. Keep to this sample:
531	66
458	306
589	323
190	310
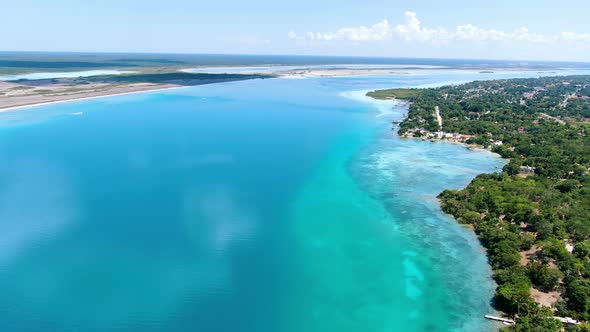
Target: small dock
568	320
500	319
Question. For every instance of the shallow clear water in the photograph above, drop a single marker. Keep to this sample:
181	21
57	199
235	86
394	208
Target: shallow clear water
264	205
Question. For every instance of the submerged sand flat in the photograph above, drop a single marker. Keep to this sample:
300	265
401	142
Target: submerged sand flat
309	71
340	72
349	70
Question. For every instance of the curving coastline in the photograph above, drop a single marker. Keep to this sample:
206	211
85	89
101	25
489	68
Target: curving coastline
530	216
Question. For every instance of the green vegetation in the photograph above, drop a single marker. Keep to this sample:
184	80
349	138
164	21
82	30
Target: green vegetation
65	86
528	215
14	88
31	62
44	91
395	94
585	91
179	78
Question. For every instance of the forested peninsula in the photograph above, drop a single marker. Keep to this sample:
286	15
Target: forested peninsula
533	216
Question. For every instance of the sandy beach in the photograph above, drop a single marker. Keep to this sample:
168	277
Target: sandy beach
18	95
10	103
86	96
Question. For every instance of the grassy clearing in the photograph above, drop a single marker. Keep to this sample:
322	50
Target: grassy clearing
404	94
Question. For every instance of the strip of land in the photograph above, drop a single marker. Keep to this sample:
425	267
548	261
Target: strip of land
339	72
23	93
18	98
369	71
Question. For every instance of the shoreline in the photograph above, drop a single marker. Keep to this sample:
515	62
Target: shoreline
532	245
348	69
546	297
61	93
74	99
472	147
404	105
407	104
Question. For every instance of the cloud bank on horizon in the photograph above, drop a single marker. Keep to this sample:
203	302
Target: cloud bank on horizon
412	30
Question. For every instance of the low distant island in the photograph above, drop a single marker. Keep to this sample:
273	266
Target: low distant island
534	216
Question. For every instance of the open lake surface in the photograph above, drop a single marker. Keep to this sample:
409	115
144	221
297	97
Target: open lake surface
263	205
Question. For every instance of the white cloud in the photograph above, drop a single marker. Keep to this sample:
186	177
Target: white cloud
412	30
379	31
472	32
576	37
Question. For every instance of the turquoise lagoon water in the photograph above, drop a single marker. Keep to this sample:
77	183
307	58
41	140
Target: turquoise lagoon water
263	205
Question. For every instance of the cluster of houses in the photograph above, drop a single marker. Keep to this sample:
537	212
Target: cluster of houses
460	138
526	170
532	94
440	135
420	132
580	96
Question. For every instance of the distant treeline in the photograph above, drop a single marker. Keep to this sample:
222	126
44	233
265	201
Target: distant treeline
27	62
178	78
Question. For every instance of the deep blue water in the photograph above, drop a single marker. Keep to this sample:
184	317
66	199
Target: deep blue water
263	205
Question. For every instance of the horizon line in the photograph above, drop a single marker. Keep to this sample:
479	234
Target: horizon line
296	55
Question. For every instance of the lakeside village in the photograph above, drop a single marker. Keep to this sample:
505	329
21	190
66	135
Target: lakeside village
441	135
532	216
503	116
458	138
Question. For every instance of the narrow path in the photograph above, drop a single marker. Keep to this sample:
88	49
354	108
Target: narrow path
547	116
438	117
565	101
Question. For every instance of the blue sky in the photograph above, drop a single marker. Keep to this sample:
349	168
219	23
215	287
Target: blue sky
500	29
